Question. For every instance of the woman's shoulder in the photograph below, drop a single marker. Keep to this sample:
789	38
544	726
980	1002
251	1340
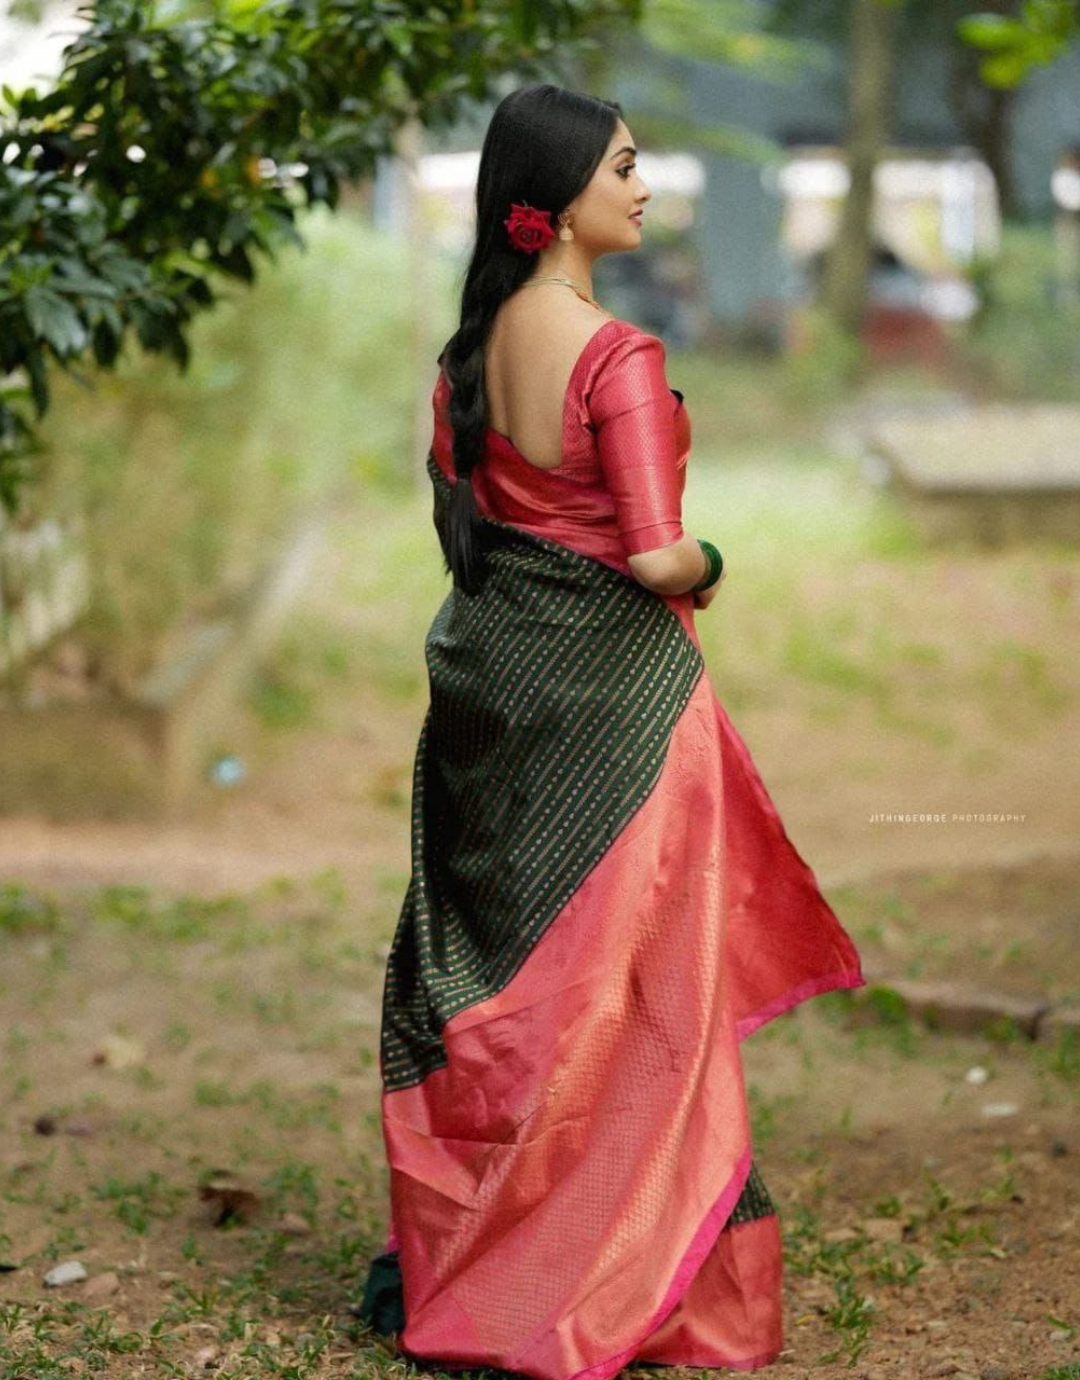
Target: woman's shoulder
595	349
618	349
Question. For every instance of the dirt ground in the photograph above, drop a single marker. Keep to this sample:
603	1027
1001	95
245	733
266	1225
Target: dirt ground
202	997
926	1185
1003	929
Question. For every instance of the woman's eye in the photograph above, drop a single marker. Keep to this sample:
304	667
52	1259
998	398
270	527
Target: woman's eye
627	169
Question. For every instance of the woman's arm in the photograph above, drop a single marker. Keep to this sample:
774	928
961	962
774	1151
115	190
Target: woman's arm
671	569
632	409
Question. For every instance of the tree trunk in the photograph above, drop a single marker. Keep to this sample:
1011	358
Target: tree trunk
984	114
871	67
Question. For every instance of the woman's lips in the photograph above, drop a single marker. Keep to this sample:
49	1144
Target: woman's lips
636	216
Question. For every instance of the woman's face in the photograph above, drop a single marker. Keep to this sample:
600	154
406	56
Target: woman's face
607	214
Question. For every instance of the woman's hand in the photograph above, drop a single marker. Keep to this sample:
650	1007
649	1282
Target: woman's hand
704	597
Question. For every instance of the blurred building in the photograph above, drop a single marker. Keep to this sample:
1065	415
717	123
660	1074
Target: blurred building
748	246
937	208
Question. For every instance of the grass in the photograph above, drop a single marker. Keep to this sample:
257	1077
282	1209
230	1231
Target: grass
1023	344
824	612
260	1071
270	1301
936	1225
191	481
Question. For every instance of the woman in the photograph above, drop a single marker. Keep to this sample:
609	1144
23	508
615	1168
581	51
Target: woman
603	899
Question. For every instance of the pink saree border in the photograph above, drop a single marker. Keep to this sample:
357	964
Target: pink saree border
843	978
699	1248
812	987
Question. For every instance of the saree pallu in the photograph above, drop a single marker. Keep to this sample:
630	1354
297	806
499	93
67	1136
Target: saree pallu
603	902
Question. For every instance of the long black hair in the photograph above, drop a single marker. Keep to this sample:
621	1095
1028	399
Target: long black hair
542	147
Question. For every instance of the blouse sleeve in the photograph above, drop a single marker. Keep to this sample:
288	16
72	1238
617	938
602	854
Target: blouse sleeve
632	411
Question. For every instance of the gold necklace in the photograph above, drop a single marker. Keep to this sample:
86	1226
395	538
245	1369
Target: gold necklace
569	282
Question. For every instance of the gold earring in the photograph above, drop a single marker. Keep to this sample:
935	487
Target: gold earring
565	233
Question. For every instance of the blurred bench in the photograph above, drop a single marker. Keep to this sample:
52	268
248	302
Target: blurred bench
988	475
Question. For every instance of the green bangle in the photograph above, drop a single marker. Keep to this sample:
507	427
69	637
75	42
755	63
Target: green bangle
716	565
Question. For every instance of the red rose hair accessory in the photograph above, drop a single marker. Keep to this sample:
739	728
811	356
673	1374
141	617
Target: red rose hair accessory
529	228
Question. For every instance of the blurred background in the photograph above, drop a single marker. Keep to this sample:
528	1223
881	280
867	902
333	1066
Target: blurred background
863	255
232	236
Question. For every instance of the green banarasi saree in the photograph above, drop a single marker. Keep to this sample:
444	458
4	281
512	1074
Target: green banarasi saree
603	903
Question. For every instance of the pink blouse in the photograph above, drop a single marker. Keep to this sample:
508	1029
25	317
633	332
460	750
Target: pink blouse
626	437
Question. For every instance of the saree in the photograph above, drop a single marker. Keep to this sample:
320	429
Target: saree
603	902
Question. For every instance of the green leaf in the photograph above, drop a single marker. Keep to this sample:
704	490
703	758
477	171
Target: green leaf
990	31
1056	17
72	278
121	270
54	320
1005	71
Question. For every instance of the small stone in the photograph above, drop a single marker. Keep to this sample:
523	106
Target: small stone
964	1010
999	1109
992	1371
101	1286
977	1075
1059	1019
227	770
883	1228
67	1272
838	1235
118	1052
943	1368
292	1224
937	1325
205	1357
1060	1334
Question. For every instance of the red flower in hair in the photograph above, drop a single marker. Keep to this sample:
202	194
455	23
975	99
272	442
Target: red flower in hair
529	228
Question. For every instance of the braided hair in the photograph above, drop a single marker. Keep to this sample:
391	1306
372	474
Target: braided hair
542	147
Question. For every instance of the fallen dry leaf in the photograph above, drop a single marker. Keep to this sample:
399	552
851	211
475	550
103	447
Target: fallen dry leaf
101	1286
883	1228
229	1199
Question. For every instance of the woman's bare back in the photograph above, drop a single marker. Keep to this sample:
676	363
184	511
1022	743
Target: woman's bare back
535	341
